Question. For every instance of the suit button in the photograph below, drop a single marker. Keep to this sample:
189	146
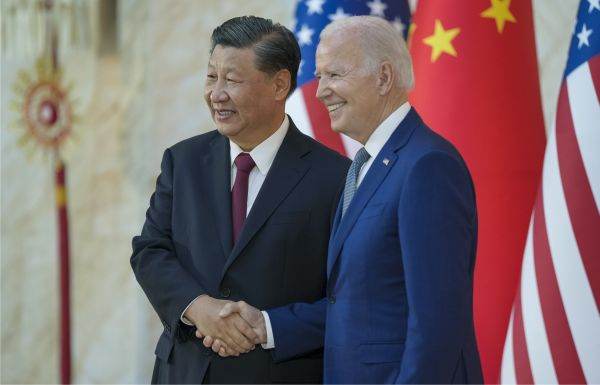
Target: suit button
225	292
332	299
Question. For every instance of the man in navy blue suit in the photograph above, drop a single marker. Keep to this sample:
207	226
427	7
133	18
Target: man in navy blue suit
239	213
402	249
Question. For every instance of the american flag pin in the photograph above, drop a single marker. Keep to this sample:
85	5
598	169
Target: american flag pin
386	161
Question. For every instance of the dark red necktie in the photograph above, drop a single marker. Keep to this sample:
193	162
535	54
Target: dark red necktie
239	193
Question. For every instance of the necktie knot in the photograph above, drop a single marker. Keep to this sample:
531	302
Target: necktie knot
239	192
244	162
359	160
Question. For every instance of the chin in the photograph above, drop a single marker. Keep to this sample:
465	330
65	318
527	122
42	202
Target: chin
338	127
227	129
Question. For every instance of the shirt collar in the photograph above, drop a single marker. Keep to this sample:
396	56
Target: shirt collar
383	132
263	154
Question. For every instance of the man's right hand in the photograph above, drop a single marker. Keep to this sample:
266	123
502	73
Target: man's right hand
250	314
234	331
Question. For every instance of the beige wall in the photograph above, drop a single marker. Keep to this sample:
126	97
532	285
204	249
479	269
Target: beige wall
131	106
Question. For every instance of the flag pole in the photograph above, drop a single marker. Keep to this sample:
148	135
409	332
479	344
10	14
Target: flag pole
63	223
63	250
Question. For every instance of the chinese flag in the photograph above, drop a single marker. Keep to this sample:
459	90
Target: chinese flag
476	83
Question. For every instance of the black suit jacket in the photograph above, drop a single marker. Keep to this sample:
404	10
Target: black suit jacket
185	249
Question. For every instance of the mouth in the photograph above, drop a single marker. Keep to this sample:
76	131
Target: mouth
334	107
223	114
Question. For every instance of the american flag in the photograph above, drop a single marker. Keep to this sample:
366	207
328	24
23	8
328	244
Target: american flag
312	16
554	330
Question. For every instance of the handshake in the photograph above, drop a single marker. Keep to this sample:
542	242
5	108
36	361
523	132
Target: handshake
229	328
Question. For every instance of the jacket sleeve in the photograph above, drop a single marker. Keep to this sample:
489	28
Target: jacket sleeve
437	220
168	286
298	329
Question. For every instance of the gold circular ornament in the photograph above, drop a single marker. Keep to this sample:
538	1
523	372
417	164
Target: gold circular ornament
44	108
47	114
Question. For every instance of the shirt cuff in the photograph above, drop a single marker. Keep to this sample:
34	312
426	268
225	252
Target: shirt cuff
182	318
270	342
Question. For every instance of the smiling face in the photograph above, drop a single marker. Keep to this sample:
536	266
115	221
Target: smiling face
246	104
347	88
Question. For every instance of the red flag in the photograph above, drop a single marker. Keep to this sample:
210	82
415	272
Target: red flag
477	85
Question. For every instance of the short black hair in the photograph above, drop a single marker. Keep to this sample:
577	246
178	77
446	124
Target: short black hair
274	45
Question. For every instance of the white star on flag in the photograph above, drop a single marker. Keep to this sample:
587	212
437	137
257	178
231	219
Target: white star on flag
300	66
315	6
305	35
377	8
584	36
339	14
594	4
399	25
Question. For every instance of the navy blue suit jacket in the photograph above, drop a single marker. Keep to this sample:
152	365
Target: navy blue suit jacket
185	249
400	273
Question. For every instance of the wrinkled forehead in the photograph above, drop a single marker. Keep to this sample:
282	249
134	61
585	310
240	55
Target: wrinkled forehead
337	50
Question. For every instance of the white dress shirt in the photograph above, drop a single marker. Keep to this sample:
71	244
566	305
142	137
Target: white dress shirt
263	156
380	136
374	144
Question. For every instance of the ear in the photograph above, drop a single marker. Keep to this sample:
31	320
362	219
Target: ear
282	81
385	78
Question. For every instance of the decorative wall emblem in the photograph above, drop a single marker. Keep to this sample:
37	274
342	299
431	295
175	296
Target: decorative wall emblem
44	107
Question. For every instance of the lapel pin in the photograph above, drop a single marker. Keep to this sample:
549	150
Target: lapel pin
386	161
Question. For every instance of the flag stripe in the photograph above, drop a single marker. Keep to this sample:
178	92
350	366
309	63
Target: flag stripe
536	337
296	108
318	114
575	290
522	367
564	354
507	374
594	65
586	115
579	197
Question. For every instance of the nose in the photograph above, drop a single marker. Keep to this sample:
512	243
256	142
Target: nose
322	89
218	94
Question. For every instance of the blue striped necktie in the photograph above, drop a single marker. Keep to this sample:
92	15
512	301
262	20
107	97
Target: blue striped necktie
350	188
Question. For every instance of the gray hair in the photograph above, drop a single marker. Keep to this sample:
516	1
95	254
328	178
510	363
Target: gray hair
379	41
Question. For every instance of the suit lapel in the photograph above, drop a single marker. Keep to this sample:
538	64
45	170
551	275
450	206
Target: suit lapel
336	220
286	171
218	164
367	188
374	177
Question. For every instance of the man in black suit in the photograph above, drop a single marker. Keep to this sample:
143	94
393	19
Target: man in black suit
240	213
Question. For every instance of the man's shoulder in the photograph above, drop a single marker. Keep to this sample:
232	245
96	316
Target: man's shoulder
428	147
197	143
425	140
323	155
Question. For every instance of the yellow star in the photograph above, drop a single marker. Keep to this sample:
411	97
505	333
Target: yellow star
441	41
500	12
